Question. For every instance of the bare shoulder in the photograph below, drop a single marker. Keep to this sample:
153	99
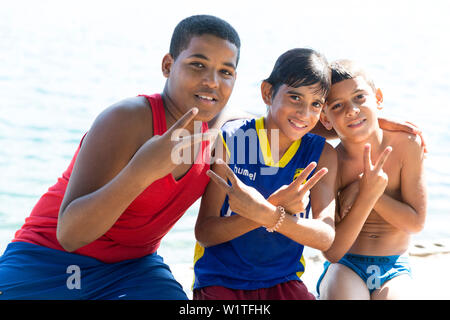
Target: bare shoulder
118	132
329	155
129	118
130	111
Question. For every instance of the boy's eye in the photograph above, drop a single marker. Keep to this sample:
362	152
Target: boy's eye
296	98
317	104
227	73
361	97
336	106
197	64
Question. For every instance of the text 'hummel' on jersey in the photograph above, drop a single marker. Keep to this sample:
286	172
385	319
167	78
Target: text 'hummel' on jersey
245	172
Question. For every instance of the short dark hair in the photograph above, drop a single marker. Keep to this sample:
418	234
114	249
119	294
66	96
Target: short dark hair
300	67
347	69
198	25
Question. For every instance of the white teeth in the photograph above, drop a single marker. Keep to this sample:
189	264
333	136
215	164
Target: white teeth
206	98
357	123
300	126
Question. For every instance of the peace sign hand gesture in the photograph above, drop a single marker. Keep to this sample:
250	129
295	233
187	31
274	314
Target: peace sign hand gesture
161	154
243	199
295	196
374	180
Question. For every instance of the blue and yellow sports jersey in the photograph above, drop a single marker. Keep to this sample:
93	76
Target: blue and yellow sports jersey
257	259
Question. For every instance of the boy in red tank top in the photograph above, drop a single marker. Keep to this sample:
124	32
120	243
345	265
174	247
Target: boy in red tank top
123	191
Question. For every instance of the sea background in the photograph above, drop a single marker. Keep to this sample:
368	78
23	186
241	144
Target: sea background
63	62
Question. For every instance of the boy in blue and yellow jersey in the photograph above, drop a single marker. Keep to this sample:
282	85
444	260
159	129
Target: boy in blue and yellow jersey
251	232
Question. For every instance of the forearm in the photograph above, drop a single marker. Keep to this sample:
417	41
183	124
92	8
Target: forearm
215	230
88	217
313	233
348	229
399	214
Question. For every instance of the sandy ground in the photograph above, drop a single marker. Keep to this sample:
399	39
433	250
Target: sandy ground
429	261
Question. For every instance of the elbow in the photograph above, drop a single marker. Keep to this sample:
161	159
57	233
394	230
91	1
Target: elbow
201	239
330	252
327	240
68	235
417	227
418	224
67	240
332	257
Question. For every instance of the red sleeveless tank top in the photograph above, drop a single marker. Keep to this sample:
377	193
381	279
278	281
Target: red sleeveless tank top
140	228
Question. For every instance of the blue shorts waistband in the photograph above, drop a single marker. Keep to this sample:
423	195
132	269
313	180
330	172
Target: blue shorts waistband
375	259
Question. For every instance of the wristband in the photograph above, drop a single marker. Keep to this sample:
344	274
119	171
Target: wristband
280	220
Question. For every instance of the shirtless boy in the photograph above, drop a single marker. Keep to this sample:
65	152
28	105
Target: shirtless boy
381	190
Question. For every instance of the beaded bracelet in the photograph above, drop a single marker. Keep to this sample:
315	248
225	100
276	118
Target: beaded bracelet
280	220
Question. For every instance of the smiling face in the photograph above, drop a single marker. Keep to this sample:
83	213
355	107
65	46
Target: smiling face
202	76
294	111
351	109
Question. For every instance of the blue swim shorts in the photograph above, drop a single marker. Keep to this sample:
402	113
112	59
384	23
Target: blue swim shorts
32	272
373	270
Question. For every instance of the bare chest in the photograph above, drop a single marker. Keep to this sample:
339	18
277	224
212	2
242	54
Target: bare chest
351	170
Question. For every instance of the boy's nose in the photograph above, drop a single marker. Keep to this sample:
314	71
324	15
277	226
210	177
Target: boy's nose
303	110
210	80
352	110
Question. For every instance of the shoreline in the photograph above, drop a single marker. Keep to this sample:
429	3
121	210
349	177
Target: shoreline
428	259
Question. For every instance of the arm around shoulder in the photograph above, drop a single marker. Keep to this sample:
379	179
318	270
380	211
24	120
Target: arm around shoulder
409	213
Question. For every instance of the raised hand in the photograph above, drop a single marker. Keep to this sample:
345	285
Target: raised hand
295	196
243	199
161	154
374	180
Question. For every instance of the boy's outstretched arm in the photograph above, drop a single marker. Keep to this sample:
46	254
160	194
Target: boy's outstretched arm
210	228
385	124
409	213
114	165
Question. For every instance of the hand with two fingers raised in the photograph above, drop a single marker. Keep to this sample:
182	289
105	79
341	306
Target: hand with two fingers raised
161	154
374	180
294	198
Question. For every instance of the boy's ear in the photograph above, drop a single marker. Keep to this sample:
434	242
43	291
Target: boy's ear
379	96
324	120
166	65
266	92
